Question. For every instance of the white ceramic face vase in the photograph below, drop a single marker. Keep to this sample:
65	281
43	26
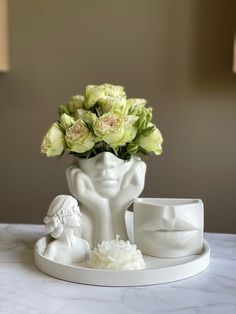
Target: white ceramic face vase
105	186
168	228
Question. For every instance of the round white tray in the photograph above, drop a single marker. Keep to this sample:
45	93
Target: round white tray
157	271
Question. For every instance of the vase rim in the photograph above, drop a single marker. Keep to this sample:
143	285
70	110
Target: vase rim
108	153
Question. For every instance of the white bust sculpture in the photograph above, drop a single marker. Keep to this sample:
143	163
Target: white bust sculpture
63	223
168	228
105	186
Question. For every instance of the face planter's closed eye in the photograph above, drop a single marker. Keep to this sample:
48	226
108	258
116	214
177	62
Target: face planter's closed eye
107	161
105	166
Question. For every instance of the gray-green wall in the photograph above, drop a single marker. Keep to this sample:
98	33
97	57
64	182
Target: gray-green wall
175	53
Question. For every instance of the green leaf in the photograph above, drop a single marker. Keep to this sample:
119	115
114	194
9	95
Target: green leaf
63	109
132	148
143	151
147	131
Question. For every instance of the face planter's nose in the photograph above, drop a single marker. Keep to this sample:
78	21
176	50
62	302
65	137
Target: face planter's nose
106	160
168	213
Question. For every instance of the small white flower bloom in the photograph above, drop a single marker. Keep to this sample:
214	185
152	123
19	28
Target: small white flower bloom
117	255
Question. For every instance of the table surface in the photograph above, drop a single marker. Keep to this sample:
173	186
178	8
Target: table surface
24	289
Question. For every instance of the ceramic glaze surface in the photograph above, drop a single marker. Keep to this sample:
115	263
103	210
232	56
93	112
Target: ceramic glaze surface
168	228
105	187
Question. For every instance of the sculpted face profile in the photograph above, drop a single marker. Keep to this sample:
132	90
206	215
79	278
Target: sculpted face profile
63	223
168	228
105	186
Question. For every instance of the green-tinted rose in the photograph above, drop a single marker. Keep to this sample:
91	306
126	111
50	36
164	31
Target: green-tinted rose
92	94
114	90
95	93
110	127
137	108
130	130
53	143
114	104
78	137
87	116
145	116
66	121
80	113
135	104
75	102
152	142
90	118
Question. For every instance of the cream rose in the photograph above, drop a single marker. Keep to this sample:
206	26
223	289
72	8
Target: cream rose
78	137
110	127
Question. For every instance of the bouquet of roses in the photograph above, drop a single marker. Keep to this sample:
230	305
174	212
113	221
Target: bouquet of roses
103	120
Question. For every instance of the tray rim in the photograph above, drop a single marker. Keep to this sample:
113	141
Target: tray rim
103	277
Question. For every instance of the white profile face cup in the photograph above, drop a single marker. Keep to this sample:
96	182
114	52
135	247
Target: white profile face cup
168	228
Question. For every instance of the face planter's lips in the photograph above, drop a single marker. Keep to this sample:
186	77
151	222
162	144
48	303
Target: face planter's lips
165	225
172	238
175	231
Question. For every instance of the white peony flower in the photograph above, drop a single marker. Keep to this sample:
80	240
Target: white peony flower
116	255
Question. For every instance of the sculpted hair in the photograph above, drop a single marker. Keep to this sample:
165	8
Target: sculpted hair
61	207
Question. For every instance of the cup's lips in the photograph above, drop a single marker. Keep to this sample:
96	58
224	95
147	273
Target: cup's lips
168	225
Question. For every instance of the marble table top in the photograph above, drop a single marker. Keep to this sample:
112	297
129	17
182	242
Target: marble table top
24	289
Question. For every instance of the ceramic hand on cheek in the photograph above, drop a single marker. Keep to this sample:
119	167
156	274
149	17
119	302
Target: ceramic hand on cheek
131	187
95	209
